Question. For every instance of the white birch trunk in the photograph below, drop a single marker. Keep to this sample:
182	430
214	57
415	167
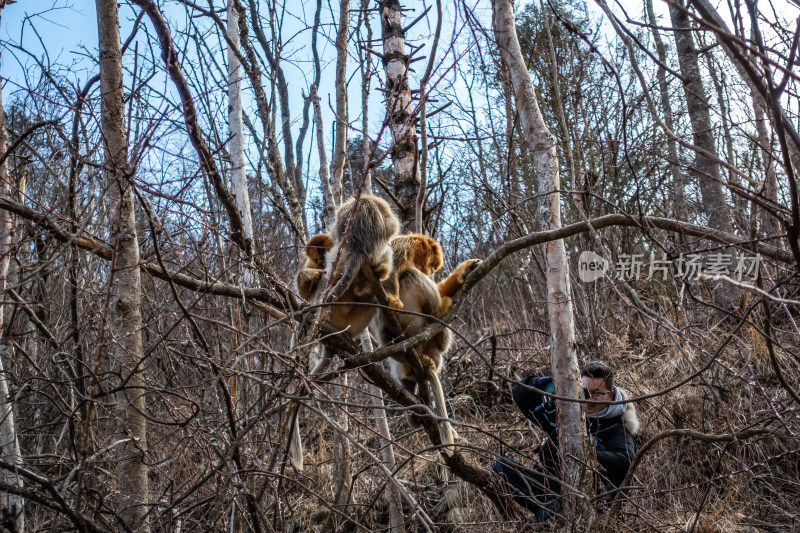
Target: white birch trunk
126	277
238	174
396	521
9	445
541	144
340	142
399	113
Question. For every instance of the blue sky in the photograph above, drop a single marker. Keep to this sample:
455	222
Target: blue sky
64	26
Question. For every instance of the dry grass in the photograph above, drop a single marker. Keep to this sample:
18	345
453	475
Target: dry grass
682	484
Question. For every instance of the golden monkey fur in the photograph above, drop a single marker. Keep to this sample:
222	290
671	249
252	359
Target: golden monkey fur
415	257
411	251
309	277
361	234
360	237
366	240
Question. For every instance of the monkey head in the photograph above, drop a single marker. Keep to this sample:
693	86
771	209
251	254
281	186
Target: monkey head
426	254
316	249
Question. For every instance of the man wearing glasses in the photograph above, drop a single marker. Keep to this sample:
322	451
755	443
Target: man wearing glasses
611	427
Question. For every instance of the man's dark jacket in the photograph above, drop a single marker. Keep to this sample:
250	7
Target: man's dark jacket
613	430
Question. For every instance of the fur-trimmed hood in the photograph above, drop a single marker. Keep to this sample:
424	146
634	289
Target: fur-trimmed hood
626	410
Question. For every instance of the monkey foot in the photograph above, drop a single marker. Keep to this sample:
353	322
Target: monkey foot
394	302
468	266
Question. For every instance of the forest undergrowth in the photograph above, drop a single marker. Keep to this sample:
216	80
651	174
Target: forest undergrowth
680	484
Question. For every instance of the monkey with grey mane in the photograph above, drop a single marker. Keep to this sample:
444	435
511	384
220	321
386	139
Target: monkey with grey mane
361	234
360	237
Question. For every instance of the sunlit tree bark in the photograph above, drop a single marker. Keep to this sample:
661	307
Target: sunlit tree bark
340	140
126	313
236	150
9	444
541	144
399	113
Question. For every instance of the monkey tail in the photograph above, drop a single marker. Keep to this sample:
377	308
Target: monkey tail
296	444
446	431
349	272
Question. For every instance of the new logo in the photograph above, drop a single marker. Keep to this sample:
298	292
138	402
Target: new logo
591	266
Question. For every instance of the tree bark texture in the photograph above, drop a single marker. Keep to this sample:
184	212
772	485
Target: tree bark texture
541	144
341	445
706	162
274	59
678	185
236	148
771	224
340	140
399	113
366	74
396	520
126	313
281	187
788	137
329	191
9	444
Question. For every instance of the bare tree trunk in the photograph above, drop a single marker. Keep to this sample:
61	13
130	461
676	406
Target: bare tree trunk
771	223
563	360
239	189
341	445
739	202
678	185
706	162
331	190
758	86
340	141
422	190
396	520
289	178
364	65
763	89
126	313
274	59
9	444
342	471
329	197
398	113
238	174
